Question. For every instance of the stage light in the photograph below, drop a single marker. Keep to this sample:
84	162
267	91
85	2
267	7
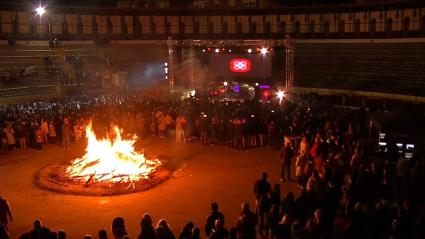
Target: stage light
217	50
256	84
166	77
166	64
225	83
263	50
249	50
230	50
280	94
203	50
40	10
266	93
192	93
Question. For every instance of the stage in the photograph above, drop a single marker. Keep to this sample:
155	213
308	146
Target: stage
203	174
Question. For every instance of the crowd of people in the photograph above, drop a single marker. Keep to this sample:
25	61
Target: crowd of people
347	189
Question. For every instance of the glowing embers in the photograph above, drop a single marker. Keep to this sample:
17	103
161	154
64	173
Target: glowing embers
240	65
112	159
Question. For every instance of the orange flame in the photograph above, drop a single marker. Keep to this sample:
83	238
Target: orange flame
111	160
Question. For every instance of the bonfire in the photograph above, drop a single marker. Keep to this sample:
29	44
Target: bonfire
111	159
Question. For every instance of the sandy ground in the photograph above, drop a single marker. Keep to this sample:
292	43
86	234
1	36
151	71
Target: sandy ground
205	174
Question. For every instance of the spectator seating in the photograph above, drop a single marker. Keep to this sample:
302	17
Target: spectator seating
389	67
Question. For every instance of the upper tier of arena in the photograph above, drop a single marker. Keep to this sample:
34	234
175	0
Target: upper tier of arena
382	19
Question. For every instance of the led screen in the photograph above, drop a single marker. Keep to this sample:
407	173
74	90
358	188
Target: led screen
240	65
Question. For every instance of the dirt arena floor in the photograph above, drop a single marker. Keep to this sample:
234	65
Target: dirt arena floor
205	174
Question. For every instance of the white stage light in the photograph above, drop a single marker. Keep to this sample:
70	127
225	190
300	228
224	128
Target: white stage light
225	83
280	94
249	50
263	50
217	50
40	10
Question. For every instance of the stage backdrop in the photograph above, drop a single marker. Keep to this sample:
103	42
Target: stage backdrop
240	65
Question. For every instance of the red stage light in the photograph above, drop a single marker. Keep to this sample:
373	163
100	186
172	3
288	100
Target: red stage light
266	93
240	65
222	90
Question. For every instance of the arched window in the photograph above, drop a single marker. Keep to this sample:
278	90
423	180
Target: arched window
326	27
297	27
372	27
79	25
167	28
253	28
124	29
341	26
311	27
406	23
95	29
389	25
224	28
182	28
153	28
109	26
423	24
282	27
357	26
210	28
196	28
239	28
268	29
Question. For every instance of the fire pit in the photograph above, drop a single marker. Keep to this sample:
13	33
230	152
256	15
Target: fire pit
110	166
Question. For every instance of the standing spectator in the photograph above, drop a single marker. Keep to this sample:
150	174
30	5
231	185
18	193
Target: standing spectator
38	231
118	228
163	231
283	229
4	234
146	229
214	215
4	144
261	187
186	232
45	129
300	167
314	226
5	212
21	135
52	132
10	135
66	133
39	137
286	155
180	124
246	224
219	232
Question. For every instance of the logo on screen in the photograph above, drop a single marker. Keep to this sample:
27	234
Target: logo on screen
240	65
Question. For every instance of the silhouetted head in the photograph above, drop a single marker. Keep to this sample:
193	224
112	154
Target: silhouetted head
61	234
87	237
245	207
188	228
102	234
196	232
37	224
148	218
264	175
162	223
118	222
214	206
